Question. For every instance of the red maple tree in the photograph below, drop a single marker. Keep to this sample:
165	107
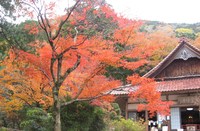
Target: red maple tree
72	59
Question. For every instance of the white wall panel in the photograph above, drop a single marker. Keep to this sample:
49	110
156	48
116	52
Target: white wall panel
175	118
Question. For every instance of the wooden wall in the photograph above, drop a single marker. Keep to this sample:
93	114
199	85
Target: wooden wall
180	67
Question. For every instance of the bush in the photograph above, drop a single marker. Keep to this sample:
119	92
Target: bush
115	113
126	125
81	116
37	120
98	123
3	129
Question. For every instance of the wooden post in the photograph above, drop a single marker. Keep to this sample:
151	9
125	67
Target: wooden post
169	123
147	120
126	110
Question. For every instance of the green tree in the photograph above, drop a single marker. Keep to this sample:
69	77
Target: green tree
6	9
118	73
6	12
81	116
15	36
185	32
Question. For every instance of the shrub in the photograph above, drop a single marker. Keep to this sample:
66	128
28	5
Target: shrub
81	116
37	120
126	125
3	129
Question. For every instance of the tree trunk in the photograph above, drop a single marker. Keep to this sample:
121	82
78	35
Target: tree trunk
57	121
147	120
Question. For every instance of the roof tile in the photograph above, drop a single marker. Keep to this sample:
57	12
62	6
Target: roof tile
164	86
179	84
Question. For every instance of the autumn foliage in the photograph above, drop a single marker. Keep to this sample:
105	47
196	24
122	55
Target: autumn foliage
148	97
71	61
20	88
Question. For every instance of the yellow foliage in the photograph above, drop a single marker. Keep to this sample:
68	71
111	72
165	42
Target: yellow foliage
184	30
18	89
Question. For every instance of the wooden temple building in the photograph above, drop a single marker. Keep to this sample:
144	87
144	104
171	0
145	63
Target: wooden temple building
178	79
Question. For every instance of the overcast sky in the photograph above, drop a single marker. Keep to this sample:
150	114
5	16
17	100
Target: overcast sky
171	11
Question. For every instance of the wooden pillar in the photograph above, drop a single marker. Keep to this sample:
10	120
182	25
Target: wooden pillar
169	123
126	109
147	120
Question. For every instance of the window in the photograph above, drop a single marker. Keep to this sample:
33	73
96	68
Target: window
134	115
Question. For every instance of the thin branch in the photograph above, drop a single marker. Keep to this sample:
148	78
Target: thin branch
81	89
40	23
24	100
44	25
72	47
102	66
47	21
42	87
16	97
86	99
63	22
46	75
72	68
129	36
34	8
45	28
39	9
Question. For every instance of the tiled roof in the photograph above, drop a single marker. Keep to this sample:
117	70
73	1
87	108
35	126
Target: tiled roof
165	86
170	84
179	84
124	90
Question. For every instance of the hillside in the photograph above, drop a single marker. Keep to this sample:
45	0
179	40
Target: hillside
190	31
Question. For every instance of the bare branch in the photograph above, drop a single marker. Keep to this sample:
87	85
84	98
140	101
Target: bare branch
63	22
40	23
30	5
87	99
45	16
